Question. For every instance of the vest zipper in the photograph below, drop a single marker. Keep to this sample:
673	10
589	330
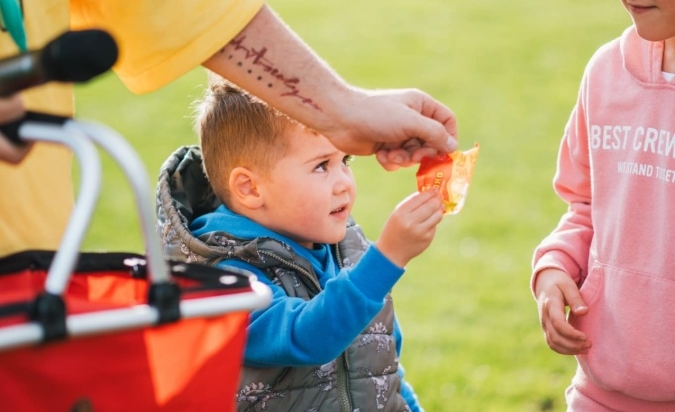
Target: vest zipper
293	265
338	255
341	363
343	383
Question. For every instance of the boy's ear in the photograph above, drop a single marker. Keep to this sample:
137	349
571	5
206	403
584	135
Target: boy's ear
244	188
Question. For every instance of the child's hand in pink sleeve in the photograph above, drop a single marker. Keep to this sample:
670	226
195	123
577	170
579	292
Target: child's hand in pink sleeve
555	290
411	227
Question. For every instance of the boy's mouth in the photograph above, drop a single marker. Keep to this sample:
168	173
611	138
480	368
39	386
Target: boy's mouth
339	210
639	8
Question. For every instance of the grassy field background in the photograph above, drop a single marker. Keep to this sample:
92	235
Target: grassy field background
510	71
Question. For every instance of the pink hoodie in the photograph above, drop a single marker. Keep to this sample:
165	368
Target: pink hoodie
616	171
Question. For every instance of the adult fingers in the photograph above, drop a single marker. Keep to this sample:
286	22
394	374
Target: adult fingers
11	153
438	128
393	159
409	154
11	108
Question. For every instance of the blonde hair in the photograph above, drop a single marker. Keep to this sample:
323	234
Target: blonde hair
236	129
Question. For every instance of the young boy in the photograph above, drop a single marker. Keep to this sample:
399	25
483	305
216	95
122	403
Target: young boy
329	340
610	259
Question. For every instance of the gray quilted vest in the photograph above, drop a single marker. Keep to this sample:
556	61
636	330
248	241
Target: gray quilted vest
363	378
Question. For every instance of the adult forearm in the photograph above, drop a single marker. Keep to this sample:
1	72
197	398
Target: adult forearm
270	61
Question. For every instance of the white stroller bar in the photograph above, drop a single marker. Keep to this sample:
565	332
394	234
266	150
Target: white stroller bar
134	170
90	183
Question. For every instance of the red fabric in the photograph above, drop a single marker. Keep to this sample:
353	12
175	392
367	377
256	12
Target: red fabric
190	365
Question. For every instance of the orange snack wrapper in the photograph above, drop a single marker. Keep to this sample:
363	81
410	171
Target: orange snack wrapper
451	174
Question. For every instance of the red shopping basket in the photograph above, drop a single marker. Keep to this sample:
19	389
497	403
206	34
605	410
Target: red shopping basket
188	365
118	331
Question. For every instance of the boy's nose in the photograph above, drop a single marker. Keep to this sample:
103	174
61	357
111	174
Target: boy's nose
344	182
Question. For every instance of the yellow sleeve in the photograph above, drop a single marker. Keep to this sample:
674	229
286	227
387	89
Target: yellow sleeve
160	40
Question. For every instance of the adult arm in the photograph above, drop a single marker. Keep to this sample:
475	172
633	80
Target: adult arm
247	43
269	60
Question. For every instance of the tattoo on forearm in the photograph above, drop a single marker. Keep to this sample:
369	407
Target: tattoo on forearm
258	60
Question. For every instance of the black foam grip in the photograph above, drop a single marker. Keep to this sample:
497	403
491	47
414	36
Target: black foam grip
11	130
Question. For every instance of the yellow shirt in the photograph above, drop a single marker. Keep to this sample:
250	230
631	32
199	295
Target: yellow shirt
158	40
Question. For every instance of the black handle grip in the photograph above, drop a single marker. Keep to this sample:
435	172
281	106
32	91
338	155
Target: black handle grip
11	130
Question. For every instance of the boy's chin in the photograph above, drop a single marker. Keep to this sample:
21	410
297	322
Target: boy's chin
650	33
335	238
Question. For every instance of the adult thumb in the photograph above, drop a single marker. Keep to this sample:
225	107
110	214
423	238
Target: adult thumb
434	133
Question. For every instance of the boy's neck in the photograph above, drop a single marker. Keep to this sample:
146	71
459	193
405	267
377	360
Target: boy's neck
258	216
669	55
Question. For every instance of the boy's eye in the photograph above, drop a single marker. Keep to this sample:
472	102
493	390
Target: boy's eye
323	166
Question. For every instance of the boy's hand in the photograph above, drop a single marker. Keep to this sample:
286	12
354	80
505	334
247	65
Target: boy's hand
411	227
555	290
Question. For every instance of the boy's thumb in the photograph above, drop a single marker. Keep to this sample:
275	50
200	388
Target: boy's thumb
574	301
577	305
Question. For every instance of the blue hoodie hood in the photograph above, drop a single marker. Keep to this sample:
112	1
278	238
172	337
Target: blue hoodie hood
223	219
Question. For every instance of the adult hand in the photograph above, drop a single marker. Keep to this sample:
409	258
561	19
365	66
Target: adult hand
399	126
555	290
11	108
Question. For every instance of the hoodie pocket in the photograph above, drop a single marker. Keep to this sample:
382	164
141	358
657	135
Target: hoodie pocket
592	285
631	325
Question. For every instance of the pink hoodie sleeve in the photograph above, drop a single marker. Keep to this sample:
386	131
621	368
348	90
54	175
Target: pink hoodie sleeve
567	247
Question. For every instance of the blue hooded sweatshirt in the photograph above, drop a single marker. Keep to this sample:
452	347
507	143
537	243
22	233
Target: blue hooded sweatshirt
319	329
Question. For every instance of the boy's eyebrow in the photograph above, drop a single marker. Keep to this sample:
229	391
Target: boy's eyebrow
322	156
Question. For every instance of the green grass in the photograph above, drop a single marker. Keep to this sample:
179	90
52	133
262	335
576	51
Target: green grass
510	71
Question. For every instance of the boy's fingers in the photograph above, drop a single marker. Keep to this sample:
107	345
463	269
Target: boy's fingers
564	329
578	308
560	335
417	199
430	203
565	346
564	339
575	302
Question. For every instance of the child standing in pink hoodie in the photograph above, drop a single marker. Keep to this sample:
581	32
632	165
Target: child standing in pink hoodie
611	259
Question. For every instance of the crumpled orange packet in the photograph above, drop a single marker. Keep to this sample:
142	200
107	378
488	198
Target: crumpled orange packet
451	174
